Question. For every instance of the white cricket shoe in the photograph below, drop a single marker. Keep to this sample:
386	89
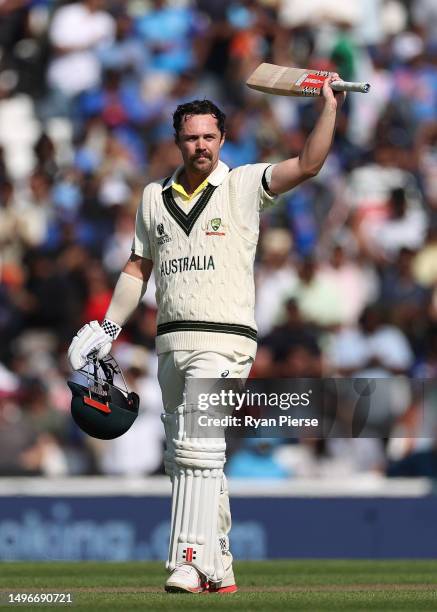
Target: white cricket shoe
185	579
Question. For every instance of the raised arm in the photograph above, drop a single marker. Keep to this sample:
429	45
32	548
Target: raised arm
289	173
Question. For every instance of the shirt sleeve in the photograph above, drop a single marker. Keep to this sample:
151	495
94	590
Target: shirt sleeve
253	185
249	191
141	242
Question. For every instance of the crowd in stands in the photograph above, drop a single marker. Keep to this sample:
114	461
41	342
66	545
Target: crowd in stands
346	271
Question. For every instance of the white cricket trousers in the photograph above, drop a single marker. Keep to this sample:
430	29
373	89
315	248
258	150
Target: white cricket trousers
174	369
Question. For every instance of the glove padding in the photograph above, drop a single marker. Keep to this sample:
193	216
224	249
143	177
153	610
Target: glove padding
91	338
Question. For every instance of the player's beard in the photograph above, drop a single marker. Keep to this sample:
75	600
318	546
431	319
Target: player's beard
202	165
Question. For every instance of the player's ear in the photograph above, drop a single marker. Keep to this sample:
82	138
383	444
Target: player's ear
222	141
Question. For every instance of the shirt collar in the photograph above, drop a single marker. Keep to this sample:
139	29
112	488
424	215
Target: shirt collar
216	177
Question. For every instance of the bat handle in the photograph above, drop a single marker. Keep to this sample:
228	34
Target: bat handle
350	86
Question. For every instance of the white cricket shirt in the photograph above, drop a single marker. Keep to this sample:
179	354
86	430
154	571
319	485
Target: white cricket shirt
203	251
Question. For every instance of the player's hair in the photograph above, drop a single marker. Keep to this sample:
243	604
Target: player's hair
198	107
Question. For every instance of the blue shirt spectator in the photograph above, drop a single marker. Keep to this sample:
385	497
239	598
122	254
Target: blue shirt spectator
168	34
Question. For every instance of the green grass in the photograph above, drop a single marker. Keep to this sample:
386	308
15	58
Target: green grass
264	586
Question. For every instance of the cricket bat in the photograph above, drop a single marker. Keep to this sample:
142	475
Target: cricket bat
283	81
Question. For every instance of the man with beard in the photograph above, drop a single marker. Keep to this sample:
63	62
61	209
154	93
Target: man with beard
198	231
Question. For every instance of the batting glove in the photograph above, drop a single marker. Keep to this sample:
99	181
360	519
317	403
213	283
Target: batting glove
92	338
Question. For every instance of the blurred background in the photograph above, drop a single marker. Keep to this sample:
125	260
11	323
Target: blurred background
346	270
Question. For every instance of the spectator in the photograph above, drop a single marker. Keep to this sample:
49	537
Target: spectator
77	32
293	346
424	14
16	437
168	32
373	345
403	296
369	192
126	54
256	459
274	277
405	227
426	151
35	210
425	262
357	285
316	295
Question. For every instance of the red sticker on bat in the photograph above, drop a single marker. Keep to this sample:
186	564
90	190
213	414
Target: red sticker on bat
313	80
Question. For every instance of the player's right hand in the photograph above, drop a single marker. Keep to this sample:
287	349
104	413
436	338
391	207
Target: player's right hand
336	98
90	339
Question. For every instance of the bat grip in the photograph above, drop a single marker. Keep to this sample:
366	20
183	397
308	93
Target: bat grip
350	86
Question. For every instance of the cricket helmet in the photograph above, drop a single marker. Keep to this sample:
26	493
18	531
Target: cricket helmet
99	407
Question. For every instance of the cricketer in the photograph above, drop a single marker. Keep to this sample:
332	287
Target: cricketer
198	231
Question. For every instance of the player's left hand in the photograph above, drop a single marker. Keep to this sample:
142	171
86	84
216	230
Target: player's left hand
90	339
335	98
